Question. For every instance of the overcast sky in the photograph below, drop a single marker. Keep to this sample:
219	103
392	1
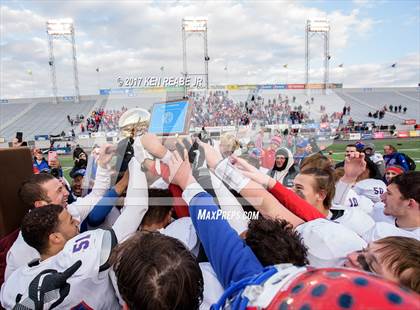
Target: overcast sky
248	42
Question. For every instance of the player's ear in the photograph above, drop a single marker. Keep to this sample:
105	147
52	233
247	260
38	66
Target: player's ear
321	195
40	203
56	238
413	204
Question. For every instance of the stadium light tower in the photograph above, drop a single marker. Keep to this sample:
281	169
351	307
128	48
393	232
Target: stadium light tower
57	29
322	28
192	26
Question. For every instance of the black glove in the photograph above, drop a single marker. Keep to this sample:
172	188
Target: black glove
47	290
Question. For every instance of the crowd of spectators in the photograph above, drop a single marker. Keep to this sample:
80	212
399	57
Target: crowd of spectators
220	110
103	120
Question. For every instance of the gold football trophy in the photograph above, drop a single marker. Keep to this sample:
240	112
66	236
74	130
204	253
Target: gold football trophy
134	122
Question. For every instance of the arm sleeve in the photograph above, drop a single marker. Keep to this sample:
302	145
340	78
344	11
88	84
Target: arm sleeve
102	208
341	191
295	204
179	205
228	202
135	203
85	205
230	257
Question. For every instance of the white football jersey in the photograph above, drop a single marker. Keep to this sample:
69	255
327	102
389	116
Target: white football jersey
378	214
213	290
383	230
328	242
354	200
352	218
371	188
90	285
21	253
183	230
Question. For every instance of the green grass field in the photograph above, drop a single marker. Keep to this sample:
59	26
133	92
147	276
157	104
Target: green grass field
67	164
411	147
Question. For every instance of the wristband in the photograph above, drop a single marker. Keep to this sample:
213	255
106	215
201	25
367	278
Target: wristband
226	172
165	159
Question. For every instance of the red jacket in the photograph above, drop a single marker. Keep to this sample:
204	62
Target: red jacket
295	204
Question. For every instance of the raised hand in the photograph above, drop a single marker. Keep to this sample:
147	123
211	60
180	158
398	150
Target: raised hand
354	165
212	156
180	172
106	152
153	145
251	172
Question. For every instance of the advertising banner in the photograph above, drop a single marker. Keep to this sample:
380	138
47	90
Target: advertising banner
232	87
228	128
295	86
279	86
112	134
247	86
213	129
367	136
116	91
97	134
84	136
41	137
271	126
63	150
414	133
68	98
105	92
378	135
311	126
315	86
402	134
265	86
410	122
355	136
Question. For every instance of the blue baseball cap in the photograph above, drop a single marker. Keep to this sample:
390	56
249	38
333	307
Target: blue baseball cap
78	172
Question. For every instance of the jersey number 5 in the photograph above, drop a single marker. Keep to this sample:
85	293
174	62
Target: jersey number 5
81	244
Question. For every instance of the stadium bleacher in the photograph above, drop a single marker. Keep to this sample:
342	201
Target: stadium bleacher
144	101
43	118
364	101
9	111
